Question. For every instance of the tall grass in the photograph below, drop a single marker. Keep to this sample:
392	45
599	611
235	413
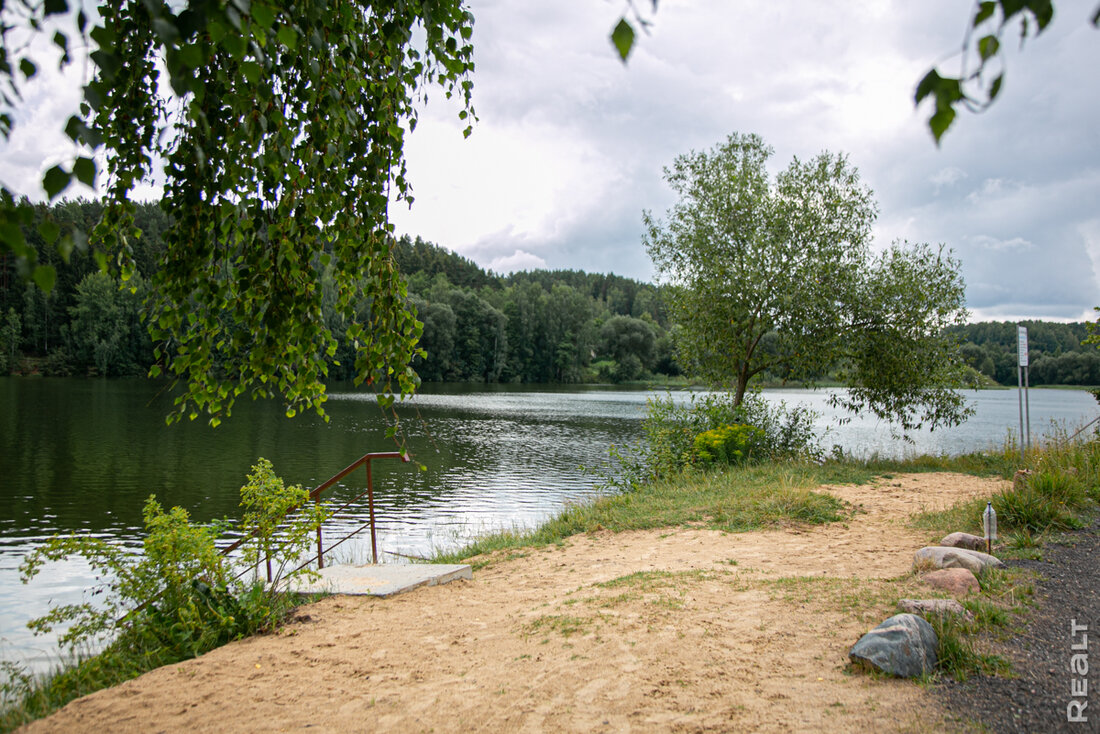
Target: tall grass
1056	486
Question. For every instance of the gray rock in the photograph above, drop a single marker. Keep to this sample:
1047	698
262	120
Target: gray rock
924	607
936	556
964	540
904	645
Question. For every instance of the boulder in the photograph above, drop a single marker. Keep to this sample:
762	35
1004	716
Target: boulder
964	540
924	607
904	645
955	581
940	557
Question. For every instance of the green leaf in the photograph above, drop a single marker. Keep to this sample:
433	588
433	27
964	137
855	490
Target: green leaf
988	47
56	7
109	64
995	88
84	169
28	68
288	37
985	11
622	38
55	181
926	85
1043	10
44	276
264	15
251	71
940	122
49	230
192	56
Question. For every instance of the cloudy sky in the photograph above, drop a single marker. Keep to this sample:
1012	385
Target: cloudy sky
570	143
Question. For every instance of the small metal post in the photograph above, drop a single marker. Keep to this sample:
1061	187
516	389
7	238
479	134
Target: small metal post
1020	399
1027	405
370	504
320	552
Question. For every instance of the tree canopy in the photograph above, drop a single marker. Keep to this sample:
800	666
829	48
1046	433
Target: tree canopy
281	131
777	277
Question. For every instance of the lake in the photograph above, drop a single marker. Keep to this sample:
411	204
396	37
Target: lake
81	456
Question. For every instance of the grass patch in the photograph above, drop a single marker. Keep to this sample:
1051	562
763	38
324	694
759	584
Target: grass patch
959	653
563	624
734	500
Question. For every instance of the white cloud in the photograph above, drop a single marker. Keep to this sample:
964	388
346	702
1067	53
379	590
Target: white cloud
1090	233
986	242
947	177
518	260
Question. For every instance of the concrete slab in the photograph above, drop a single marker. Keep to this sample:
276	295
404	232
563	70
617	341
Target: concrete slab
381	579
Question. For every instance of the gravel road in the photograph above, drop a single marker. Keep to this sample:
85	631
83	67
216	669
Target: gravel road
1042	656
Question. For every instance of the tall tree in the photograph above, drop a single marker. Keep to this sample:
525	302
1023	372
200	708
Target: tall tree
281	129
778	276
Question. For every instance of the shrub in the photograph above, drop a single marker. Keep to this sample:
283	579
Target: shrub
669	430
176	600
728	444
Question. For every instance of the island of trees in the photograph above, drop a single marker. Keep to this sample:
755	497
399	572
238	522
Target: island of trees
529	327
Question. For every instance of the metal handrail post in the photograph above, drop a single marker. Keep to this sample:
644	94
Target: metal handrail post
370	505
320	551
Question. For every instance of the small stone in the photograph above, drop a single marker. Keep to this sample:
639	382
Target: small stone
964	540
941	557
955	581
924	607
904	645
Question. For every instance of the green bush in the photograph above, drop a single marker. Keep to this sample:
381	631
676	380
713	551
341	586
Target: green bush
178	599
669	430
734	444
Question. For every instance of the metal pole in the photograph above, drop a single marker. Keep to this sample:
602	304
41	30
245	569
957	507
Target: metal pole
1027	405
320	552
370	504
1020	395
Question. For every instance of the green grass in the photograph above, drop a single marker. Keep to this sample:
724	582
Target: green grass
734	500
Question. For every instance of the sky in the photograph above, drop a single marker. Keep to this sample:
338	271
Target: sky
570	143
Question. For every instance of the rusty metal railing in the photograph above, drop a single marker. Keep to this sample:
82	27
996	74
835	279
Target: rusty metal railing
315	496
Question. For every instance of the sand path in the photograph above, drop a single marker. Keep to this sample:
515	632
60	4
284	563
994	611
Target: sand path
683	629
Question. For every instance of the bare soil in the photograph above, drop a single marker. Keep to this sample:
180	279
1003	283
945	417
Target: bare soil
685	629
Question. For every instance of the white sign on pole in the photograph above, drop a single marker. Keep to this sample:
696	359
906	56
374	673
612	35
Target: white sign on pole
1021	342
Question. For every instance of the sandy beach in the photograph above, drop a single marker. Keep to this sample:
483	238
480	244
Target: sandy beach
681	629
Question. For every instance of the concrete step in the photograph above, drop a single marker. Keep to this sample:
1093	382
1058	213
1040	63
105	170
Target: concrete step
381	579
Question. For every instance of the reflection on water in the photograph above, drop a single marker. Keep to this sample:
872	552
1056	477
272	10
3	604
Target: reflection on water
82	456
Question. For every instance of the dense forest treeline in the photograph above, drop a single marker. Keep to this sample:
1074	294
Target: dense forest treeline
563	326
542	326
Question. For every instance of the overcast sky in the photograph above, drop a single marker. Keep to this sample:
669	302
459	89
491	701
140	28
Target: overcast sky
570	144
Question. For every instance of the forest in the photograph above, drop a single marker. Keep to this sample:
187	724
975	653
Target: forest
561	326
528	327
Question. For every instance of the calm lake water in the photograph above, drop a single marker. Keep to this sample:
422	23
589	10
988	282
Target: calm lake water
81	456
